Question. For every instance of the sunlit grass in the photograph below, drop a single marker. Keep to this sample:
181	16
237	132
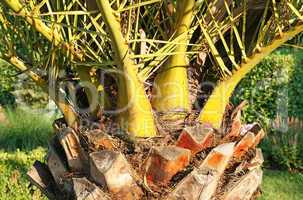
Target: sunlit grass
13	167
24	130
22	141
281	185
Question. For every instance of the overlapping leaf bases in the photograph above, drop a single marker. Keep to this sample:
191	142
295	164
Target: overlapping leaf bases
203	161
199	163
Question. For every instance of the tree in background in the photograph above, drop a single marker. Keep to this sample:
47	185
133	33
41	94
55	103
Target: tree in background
127	75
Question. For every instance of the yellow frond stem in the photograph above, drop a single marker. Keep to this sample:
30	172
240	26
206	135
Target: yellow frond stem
140	120
51	33
41	27
214	108
171	91
103	98
54	36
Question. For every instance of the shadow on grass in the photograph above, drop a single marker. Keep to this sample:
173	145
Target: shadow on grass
24	131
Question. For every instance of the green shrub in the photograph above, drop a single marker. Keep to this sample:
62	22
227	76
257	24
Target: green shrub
7	84
7	98
295	84
272	89
284	150
274	92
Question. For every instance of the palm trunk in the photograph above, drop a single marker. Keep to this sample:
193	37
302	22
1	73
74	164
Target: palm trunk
201	161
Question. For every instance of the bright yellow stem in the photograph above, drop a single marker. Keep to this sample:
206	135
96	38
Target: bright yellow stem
49	32
214	108
41	27
140	121
171	85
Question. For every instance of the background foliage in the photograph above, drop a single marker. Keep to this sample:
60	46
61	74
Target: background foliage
277	80
16	88
7	81
274	91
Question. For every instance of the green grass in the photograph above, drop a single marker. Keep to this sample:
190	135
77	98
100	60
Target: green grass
24	140
13	168
25	131
282	185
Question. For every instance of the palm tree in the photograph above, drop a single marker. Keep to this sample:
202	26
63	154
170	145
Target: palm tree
127	76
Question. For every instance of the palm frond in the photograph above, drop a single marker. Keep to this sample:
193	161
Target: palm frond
269	34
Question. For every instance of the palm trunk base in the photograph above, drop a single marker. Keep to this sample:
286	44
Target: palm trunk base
198	162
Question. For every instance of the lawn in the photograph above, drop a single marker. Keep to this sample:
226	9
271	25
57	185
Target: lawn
23	142
280	185
13	168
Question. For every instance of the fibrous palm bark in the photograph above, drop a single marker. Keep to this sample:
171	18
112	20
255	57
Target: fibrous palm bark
152	143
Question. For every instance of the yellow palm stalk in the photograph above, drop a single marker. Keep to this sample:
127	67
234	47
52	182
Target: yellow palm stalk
214	108
139	117
171	84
